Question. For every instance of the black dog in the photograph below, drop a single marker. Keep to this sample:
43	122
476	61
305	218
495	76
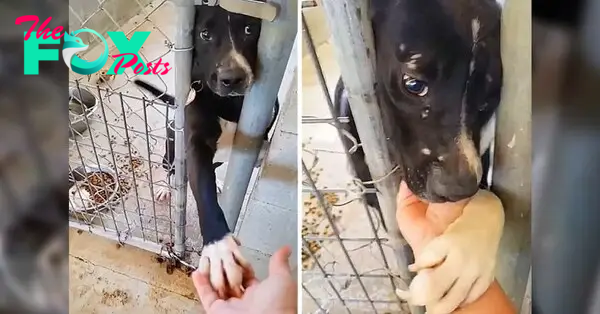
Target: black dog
223	69
439	79
438	84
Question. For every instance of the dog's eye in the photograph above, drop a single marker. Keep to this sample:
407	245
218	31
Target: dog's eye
247	30
205	35
415	86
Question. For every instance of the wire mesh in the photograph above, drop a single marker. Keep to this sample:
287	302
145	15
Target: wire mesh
346	255
118	131
116	166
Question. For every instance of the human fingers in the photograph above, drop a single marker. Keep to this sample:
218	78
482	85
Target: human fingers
205	291
279	262
249	278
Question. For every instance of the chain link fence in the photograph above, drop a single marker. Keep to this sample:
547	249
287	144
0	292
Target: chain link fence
348	260
118	132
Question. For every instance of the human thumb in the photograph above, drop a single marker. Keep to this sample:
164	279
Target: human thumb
279	263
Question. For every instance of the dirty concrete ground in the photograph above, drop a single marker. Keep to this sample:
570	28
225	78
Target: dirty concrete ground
106	278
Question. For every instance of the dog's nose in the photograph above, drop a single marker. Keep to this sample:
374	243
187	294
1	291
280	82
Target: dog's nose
452	186
232	77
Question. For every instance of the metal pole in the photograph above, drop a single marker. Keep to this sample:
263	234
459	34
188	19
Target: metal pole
352	36
512	150
184	10
274	47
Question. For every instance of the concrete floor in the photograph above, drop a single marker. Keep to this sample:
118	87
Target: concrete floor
109	279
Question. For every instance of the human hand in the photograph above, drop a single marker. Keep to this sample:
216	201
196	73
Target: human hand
228	267
277	294
455	246
420	222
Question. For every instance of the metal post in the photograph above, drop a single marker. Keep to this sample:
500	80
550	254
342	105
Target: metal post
512	150
274	47
184	10
352	36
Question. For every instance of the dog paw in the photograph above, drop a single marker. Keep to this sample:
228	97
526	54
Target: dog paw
457	267
162	194
226	266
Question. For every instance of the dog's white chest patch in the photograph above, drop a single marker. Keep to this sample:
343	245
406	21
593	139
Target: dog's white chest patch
191	96
225	141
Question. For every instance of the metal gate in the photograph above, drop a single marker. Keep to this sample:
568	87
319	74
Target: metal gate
348	262
118	131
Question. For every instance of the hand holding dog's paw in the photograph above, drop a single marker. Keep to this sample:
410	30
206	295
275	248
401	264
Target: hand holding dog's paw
457	267
276	294
228	269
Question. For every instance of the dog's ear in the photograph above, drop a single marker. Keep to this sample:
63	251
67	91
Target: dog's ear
376	9
485	81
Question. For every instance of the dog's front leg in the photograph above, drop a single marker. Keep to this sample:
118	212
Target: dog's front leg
163	193
221	253
458	266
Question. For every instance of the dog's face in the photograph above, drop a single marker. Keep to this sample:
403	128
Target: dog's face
225	50
439	79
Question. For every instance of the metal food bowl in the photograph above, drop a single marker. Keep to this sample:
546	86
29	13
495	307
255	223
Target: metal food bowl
81	105
82	192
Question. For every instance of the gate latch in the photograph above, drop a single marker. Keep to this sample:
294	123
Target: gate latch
258	9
